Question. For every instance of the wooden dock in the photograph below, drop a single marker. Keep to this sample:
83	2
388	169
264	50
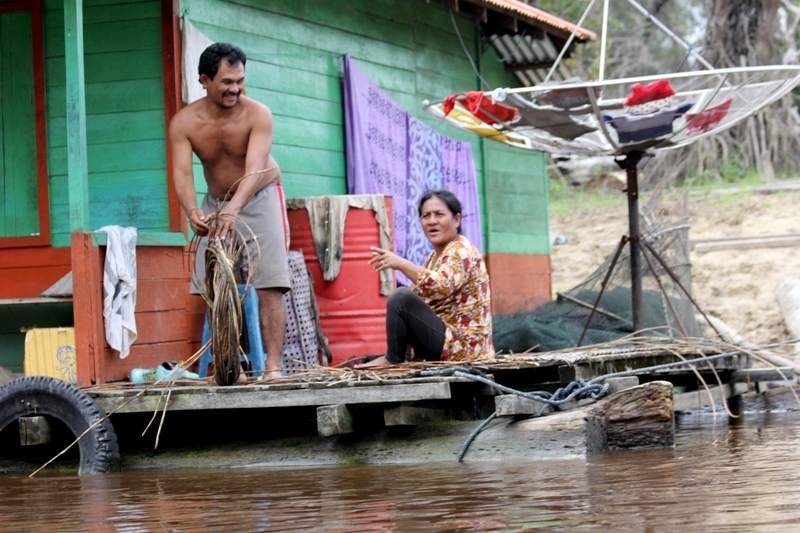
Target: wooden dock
411	397
524	407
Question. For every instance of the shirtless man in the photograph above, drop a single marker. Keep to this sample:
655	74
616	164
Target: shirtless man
232	136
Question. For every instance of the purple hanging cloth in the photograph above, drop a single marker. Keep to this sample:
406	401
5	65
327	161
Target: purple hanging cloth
390	152
377	149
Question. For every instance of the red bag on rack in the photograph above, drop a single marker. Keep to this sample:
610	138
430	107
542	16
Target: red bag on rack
481	106
641	94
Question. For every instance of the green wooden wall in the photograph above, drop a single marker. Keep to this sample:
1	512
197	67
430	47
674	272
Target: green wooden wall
18	189
124	115
411	50
408	47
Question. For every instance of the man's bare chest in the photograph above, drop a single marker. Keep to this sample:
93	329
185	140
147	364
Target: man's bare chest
216	144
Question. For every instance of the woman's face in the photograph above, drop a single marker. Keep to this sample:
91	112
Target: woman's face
438	222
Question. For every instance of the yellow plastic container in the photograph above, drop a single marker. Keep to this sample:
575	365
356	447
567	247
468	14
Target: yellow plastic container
51	352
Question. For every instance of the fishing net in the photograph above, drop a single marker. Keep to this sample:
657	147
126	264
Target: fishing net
668	311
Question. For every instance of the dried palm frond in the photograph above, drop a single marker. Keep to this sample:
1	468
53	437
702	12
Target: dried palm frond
220	290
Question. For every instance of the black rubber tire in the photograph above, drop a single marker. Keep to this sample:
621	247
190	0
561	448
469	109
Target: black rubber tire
40	395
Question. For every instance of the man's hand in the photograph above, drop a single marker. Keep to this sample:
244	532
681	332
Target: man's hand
197	219
224	224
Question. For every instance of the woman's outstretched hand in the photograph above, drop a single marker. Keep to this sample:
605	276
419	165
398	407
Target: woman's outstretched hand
383	259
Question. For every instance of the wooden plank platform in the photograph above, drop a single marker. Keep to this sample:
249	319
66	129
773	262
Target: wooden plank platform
265	396
543	371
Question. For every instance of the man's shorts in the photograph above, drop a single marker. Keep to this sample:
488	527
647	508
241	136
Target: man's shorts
265	219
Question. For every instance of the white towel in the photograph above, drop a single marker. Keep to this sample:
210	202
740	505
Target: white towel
194	42
119	288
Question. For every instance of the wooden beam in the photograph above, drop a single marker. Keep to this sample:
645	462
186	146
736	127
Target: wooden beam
261	396
155	238
513	405
755	375
744	243
702	397
504	21
406	415
77	159
477	12
531	66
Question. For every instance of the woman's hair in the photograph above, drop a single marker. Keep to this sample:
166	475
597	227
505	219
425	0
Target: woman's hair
447	197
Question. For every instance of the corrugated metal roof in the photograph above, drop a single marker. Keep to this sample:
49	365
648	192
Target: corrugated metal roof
530	59
533	15
526	39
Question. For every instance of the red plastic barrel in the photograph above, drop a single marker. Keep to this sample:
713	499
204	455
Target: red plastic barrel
352	310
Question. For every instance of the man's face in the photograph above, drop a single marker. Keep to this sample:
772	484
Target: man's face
226	87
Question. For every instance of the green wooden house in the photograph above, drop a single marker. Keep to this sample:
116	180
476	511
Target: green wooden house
87	88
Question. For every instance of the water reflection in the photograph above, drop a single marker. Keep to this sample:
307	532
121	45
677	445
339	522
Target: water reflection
716	479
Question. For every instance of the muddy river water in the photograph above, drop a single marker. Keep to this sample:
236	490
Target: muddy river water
724	477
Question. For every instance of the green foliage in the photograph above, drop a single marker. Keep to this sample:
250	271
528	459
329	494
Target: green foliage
733	171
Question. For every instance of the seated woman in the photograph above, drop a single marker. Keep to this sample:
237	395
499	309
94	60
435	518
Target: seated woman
446	314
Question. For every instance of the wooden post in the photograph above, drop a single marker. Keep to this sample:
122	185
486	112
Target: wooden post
87	309
641	417
334	420
77	161
170	62
33	430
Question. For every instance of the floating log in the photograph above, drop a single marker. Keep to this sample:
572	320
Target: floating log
640	417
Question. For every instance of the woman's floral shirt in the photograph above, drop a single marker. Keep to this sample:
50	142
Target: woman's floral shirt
456	286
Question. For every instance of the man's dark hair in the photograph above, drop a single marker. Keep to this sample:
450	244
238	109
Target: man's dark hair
449	199
212	56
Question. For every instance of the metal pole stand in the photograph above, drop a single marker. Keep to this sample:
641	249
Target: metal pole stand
630	164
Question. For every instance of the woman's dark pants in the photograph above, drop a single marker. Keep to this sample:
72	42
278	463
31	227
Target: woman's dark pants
411	322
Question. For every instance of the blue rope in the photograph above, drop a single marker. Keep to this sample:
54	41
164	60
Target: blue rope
465	446
575	390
